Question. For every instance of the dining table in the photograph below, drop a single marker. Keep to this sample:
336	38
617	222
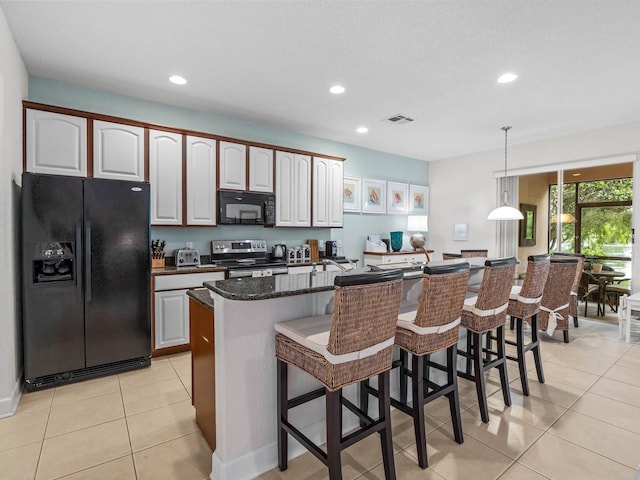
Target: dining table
604	278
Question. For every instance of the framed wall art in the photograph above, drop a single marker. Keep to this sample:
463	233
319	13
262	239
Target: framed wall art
351	194
397	198
461	232
418	200
374	196
528	225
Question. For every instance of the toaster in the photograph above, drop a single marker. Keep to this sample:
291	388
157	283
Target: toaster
187	257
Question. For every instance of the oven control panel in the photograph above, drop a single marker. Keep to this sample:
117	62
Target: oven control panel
238	246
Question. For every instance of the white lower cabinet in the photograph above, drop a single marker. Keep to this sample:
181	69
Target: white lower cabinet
171	307
171	319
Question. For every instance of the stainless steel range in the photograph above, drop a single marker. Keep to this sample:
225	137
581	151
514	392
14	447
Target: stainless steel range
245	258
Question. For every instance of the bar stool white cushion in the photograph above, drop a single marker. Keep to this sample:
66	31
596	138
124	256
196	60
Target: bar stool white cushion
313	333
407	320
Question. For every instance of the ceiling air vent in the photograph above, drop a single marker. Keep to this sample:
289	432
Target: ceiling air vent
399	119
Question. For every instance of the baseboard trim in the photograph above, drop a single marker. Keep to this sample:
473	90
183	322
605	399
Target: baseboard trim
9	404
264	459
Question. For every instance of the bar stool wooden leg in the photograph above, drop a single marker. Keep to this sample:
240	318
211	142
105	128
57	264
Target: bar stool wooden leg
403	376
384	411
522	367
334	433
282	387
417	391
478	372
502	367
536	348
469	350
364	399
454	400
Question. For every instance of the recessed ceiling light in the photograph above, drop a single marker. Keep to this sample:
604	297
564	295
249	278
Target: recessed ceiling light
507	78
362	129
337	89
177	79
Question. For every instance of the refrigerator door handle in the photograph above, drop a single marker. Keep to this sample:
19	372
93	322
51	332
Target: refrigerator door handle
78	259
87	262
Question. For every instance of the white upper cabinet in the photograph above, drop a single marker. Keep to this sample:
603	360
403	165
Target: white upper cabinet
118	151
293	190
56	143
201	181
165	177
260	169
327	192
233	166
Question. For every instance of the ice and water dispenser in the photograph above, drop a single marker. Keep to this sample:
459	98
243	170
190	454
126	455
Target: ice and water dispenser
52	262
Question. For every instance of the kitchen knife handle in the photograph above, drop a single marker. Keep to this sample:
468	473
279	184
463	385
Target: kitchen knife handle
87	262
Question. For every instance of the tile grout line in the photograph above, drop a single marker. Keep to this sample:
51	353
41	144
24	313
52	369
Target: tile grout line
126	422
44	434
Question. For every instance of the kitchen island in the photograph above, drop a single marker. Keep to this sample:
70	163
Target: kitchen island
241	347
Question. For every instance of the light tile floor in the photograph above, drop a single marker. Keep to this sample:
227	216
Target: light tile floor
134	426
582	423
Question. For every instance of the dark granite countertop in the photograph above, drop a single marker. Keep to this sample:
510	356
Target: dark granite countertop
201	296
261	288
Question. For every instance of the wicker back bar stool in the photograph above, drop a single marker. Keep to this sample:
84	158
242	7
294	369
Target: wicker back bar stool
524	303
481	314
431	326
573	301
352	344
556	299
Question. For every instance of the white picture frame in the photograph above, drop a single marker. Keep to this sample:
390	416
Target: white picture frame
461	232
418	200
351	196
397	198
374	196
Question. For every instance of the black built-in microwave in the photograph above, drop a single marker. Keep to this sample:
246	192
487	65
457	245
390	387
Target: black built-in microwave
246	208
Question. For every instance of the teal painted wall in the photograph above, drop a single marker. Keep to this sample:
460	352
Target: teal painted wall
361	162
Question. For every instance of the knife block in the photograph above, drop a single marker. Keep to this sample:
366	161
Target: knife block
157	263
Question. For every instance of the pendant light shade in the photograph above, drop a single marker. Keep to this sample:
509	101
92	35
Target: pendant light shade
504	211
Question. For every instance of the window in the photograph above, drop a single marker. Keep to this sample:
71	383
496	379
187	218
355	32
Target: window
595	219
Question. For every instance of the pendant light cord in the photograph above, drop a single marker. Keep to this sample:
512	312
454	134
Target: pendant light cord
505	193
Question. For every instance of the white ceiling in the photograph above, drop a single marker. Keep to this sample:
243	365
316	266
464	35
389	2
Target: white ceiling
272	62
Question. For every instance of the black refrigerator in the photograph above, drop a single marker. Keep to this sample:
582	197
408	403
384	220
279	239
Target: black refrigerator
86	278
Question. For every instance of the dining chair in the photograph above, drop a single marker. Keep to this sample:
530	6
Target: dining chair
554	308
483	313
589	288
573	305
612	294
352	344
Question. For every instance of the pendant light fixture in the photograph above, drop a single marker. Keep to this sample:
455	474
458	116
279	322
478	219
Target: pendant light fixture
504	211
